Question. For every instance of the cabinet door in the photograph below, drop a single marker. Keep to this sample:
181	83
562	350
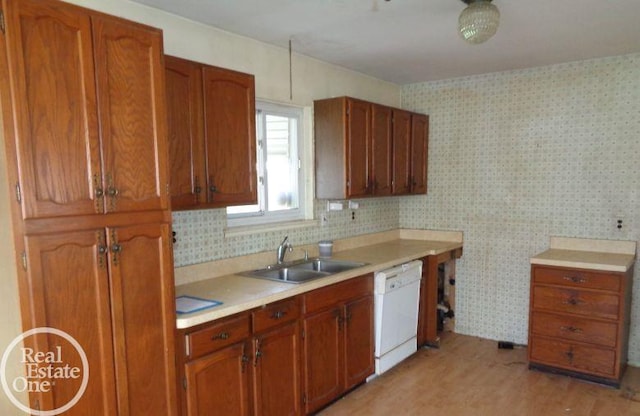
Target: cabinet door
357	147
358	341
419	153
230	136
382	149
131	95
322	358
53	100
218	384
143	309
277	372
68	286
401	152
186	132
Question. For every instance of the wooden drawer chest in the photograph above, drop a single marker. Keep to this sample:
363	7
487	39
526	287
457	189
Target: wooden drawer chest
579	322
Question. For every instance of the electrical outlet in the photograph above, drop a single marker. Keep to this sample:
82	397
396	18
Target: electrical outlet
619	222
324	220
353	215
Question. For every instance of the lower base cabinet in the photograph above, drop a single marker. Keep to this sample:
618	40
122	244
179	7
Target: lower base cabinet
337	340
275	361
218	384
246	364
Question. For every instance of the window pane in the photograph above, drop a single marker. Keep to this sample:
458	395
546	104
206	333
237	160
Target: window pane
282	163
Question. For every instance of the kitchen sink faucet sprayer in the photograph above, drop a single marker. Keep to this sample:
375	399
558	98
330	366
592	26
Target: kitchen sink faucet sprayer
282	249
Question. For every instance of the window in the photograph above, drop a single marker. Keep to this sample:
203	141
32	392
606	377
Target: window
281	190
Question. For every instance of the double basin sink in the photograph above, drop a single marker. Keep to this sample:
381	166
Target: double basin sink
303	270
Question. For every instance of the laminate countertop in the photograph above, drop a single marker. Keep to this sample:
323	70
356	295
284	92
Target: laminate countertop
590	254
239	293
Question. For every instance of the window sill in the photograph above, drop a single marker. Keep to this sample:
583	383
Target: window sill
276	226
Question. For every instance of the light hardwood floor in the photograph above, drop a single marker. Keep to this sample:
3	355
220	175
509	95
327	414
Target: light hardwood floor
471	376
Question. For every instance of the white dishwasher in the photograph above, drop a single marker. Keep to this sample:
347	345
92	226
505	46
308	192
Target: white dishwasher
397	294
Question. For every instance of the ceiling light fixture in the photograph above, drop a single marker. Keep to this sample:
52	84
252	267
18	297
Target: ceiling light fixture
479	21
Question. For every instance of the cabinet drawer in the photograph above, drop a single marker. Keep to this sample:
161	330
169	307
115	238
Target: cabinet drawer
577	278
582	358
275	314
581	302
574	329
218	335
338	293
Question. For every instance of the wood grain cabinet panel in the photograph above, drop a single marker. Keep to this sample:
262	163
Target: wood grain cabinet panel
61	266
245	363
401	152
338	340
419	153
365	149
579	322
58	152
218	383
186	132
130	77
84	110
212	135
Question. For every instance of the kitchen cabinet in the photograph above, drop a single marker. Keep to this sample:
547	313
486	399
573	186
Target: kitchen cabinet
248	363
419	152
381	149
186	133
276	352
217	375
401	184
84	121
579	322
338	340
212	135
365	149
96	152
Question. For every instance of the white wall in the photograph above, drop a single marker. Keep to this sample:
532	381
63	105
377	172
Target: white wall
312	79
516	157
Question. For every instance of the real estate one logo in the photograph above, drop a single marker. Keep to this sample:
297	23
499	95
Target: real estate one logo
44	370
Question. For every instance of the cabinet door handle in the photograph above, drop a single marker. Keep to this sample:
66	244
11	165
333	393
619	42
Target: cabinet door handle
221	336
573	301
278	315
569	354
571	329
99	192
575	279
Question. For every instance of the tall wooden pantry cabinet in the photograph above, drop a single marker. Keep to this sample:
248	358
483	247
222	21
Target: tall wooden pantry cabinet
83	106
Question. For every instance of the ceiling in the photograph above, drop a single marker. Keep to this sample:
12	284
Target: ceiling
407	41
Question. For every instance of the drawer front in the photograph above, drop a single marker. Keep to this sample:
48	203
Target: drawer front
574	329
338	293
577	278
218	335
585	359
275	314
593	304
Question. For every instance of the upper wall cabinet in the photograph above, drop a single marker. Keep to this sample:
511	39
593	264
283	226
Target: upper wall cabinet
96	152
212	135
365	149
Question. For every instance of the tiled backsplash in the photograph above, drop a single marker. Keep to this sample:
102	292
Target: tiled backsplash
518	156
200	234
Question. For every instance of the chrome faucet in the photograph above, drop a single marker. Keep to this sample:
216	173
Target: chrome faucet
282	249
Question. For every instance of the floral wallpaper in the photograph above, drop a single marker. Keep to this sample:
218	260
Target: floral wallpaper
516	157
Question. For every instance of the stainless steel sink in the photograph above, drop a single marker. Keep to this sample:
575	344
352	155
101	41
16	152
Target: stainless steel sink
303	270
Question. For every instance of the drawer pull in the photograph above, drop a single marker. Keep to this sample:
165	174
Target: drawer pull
278	315
573	301
221	336
575	279
571	329
569	355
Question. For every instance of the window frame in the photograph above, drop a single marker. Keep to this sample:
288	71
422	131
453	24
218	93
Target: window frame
264	217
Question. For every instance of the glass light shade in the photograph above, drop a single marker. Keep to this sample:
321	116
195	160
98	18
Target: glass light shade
479	21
